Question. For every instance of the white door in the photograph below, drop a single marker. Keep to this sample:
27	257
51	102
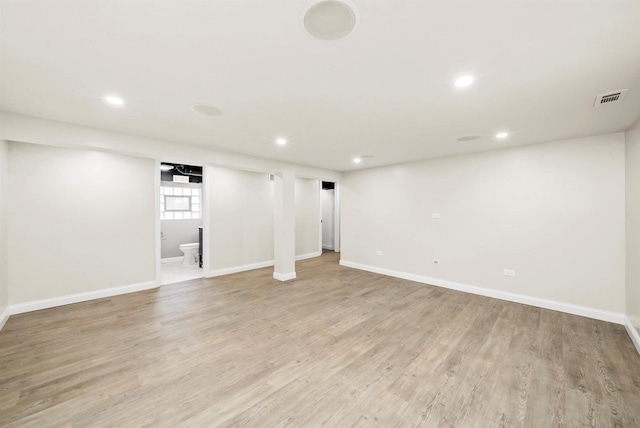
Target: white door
328	212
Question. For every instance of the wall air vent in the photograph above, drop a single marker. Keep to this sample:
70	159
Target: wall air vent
610	98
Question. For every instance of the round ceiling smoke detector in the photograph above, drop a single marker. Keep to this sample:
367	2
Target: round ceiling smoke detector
206	110
330	20
469	138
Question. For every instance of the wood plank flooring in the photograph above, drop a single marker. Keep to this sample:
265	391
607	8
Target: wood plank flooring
336	347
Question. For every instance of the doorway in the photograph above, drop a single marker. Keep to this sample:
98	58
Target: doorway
181	203
330	216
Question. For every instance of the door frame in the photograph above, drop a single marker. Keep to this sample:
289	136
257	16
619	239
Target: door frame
336	216
204	206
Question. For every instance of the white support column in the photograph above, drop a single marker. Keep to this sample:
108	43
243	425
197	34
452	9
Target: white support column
336	219
284	240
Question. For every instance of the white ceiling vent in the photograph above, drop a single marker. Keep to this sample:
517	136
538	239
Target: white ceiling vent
610	98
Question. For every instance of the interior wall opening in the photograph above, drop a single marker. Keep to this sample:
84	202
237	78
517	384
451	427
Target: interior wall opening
181	222
330	218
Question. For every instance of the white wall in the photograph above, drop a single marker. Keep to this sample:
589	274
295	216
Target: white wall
240	216
176	233
552	212
28	129
80	220
633	224
4	175
328	215
307	216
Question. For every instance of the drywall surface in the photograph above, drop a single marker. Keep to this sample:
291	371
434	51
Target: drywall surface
633	224
4	177
307	216
81	221
29	129
176	233
553	213
240	218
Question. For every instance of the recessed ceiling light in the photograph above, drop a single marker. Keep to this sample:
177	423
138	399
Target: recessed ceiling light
114	101
164	167
357	160
206	110
330	20
502	135
463	81
469	138
281	141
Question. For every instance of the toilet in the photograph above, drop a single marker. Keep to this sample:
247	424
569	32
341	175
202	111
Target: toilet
190	252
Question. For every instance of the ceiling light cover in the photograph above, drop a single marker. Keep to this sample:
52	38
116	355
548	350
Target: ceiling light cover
114	100
281	141
357	160
206	110
463	81
502	135
330	20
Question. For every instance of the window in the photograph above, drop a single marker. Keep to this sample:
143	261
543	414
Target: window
179	203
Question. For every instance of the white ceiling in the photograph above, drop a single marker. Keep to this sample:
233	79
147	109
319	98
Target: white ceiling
385	90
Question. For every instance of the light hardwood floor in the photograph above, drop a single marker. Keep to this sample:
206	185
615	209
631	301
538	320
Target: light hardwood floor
336	347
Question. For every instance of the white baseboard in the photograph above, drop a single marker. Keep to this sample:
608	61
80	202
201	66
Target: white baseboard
252	266
328	247
633	333
236	269
172	259
584	311
36	305
4	316
309	255
284	276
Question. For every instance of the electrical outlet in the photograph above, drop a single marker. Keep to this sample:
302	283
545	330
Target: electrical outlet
510	272
436	261
435	215
378	253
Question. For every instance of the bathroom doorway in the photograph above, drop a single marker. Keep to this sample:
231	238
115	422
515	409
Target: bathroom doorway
329	202
181	222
